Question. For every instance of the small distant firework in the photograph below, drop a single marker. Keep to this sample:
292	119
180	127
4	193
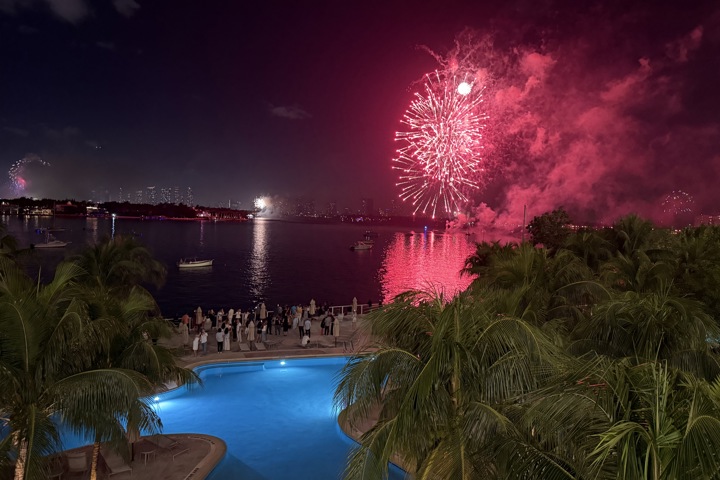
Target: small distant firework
441	161
18	172
678	202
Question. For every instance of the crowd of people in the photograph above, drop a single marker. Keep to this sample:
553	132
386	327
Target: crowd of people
255	325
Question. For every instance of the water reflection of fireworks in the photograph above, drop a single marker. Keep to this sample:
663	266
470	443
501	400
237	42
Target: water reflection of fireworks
411	263
18	172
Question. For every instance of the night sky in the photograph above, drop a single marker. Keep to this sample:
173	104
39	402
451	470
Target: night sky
603	107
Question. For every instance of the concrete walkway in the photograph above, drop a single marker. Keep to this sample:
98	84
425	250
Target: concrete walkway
352	339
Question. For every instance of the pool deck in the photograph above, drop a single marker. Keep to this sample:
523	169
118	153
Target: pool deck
204	451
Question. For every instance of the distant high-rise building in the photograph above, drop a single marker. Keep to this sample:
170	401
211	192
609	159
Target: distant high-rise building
165	195
368	206
121	197
151	195
138	196
395	206
189	197
178	197
332	209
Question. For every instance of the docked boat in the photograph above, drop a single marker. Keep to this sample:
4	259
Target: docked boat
50	242
194	263
361	245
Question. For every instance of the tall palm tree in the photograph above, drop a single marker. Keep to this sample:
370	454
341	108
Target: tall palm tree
47	371
114	272
438	381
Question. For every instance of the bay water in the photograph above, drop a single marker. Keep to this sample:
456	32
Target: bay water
264	260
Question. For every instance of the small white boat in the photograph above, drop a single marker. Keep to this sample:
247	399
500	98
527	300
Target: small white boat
194	263
361	245
50	242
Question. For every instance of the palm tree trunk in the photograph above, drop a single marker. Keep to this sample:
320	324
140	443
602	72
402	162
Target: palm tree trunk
94	461
22	457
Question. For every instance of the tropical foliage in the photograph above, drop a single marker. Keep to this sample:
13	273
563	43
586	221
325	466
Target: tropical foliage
596	359
77	351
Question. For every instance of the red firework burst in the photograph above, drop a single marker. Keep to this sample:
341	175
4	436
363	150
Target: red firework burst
441	160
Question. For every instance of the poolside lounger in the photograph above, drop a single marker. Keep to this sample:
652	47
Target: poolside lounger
167	443
244	347
260	346
114	462
77	462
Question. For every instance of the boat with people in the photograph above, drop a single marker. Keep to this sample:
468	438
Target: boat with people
194	263
50	242
362	245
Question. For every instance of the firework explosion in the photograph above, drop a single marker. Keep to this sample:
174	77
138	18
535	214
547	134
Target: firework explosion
678	202
17	172
440	161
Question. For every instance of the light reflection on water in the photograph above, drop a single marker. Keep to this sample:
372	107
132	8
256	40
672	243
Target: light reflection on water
259	276
431	260
267	260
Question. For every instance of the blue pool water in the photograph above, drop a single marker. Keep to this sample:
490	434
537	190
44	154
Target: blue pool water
278	420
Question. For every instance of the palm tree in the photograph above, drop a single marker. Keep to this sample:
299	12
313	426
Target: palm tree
438	382
632	233
114	271
551	287
485	253
610	419
591	246
120	263
46	345
697	254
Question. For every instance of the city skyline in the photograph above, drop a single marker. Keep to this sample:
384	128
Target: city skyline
604	107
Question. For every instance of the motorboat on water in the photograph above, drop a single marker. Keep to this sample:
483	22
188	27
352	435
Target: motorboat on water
50	242
362	245
194	263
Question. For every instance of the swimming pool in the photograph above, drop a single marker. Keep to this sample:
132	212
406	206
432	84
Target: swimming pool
277	419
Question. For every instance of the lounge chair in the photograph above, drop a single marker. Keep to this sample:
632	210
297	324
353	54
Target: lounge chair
260	346
244	347
114	462
167	443
77	462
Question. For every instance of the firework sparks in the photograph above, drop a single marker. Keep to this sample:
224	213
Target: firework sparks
678	202
18	170
440	161
260	203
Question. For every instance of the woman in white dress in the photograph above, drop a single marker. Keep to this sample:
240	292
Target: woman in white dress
228	336
239	327
251	333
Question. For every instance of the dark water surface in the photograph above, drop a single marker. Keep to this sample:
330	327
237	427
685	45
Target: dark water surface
267	260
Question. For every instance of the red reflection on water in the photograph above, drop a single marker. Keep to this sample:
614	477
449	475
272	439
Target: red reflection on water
425	260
